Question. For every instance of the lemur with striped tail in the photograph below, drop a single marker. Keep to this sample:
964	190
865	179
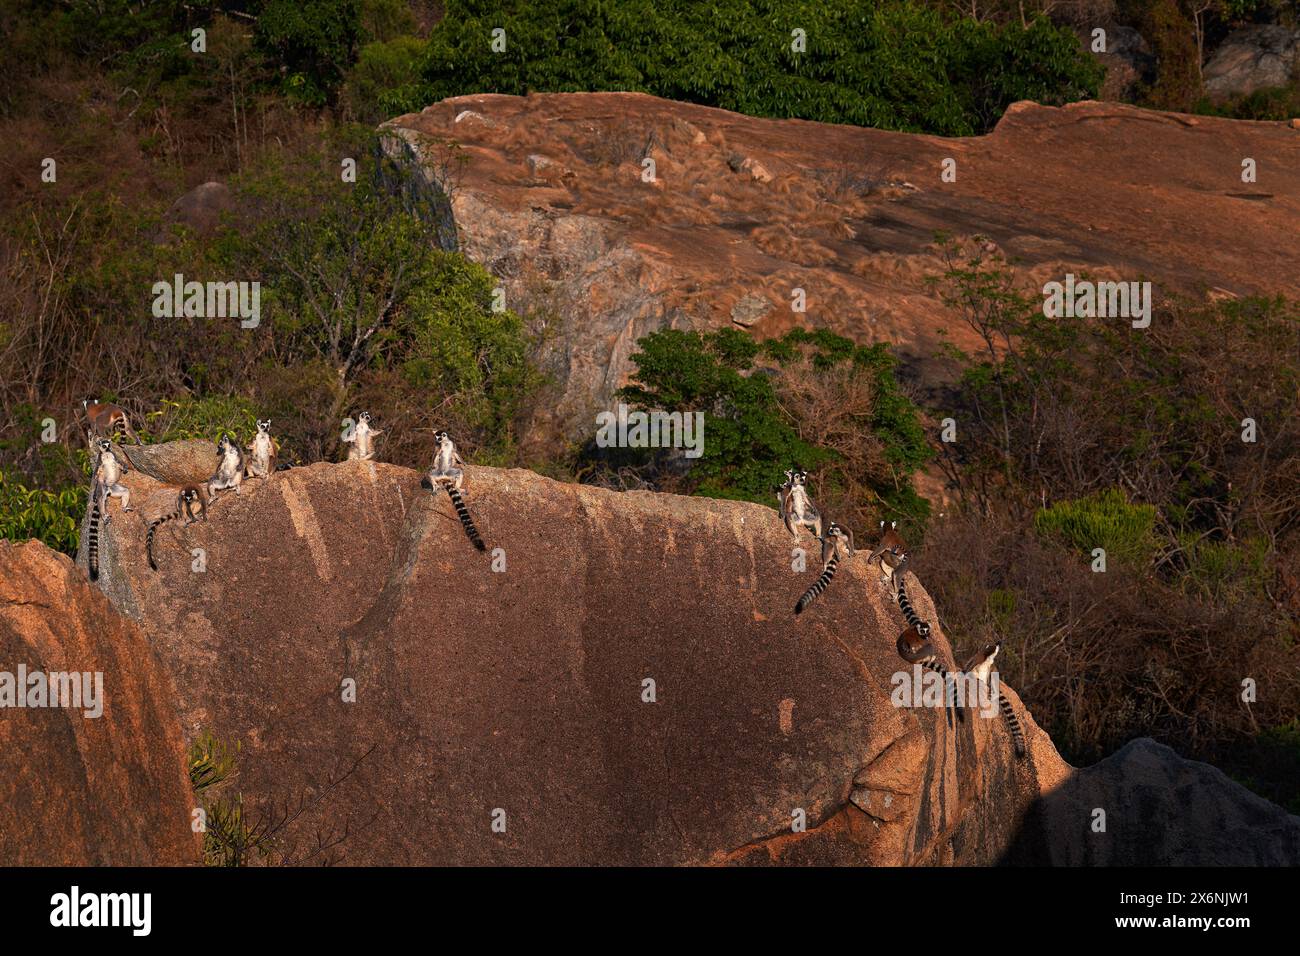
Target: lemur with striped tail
915	647
892	552
230	468
103	418
106	483
837	545
362	439
448	470
981	665
189	495
263	451
796	508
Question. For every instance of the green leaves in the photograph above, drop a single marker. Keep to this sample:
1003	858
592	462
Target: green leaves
51	517
897	65
760	420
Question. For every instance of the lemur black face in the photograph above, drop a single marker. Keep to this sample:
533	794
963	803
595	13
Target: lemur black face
264	426
923	629
365	417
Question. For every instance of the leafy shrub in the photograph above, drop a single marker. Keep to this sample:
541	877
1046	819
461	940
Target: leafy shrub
1106	520
315	41
385	78
207	417
828	405
51	517
896	65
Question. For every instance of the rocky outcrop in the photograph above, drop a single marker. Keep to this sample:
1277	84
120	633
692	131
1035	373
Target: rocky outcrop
1146	806
740	213
622	682
200	210
1128	61
99	784
1252	58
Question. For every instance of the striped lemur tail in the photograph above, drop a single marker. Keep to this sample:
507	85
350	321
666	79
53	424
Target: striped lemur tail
463	513
1013	722
909	612
153	527
92	542
819	585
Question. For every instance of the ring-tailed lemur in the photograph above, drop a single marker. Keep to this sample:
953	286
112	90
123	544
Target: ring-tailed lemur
981	665
892	552
915	647
448	470
263	451
230	468
836	545
915	626
185	501
103	418
796	508
362	439
106	483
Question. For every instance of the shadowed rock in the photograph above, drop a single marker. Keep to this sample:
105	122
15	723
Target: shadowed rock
77	790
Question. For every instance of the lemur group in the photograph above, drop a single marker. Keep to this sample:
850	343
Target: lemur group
796	509
232	468
914	645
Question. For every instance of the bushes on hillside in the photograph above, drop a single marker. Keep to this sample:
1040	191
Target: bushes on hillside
896	65
809	398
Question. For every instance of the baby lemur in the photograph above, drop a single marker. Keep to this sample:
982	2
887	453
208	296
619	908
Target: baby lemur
448	470
185	501
837	545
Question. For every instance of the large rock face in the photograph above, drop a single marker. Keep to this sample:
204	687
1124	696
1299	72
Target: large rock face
336	620
1253	58
742	212
78	789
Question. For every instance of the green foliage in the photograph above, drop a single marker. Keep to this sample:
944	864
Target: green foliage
211	762
314	40
385	78
750	438
208	417
896	65
354	281
1276	103
1215	568
51	517
478	357
747	443
1106	520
